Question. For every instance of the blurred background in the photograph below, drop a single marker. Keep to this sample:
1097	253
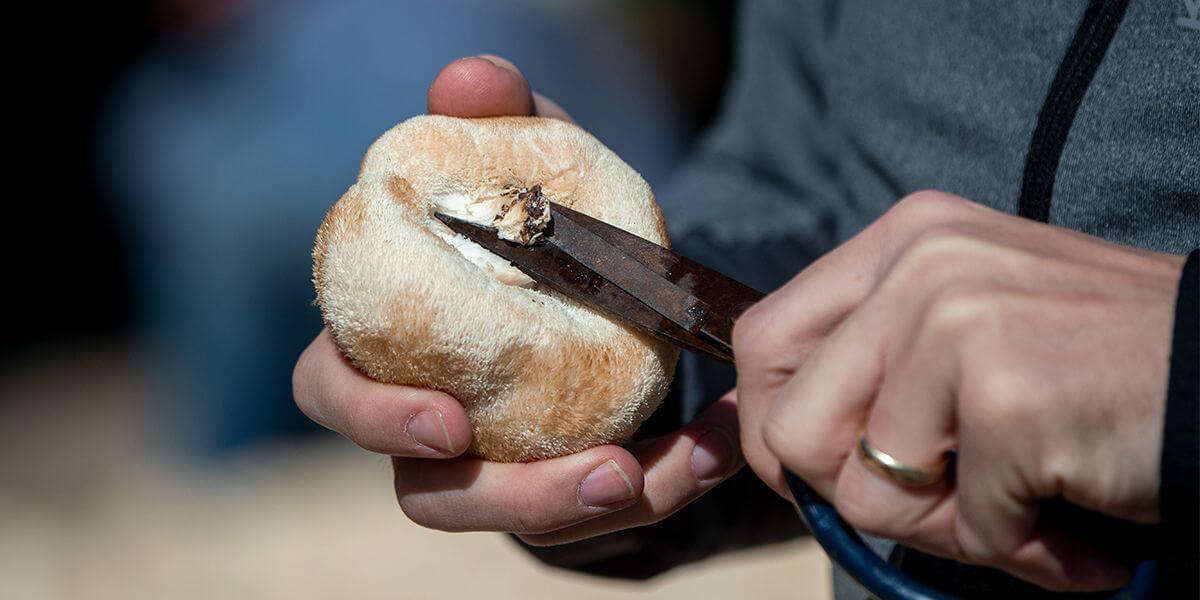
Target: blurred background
174	160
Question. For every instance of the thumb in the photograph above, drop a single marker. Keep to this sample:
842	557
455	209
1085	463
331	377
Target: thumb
487	86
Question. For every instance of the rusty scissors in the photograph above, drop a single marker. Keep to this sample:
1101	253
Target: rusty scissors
692	306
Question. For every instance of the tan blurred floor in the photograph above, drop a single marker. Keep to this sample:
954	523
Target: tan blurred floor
89	509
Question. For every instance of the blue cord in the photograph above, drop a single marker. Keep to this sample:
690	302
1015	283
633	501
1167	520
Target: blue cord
885	581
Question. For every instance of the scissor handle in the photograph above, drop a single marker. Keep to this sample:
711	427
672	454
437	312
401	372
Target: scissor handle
884	580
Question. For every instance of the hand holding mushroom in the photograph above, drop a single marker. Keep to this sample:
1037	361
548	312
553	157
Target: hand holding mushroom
509	357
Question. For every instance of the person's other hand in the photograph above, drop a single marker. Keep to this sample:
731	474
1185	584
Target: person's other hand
551	501
1039	353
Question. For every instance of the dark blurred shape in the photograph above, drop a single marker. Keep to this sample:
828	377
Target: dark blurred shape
191	18
692	41
66	266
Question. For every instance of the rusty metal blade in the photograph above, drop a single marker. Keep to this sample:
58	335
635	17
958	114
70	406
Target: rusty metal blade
628	273
726	297
584	270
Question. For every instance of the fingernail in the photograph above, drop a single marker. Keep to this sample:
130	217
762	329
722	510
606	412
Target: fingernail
492	59
428	429
606	484
712	455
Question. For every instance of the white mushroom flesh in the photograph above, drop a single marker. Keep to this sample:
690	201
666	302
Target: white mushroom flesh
519	216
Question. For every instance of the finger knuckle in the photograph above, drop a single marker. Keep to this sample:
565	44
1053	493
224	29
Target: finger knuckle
961	309
371	445
797	452
770	337
997	399
360	426
926	206
528	514
938	245
750	329
761	457
775	435
938	254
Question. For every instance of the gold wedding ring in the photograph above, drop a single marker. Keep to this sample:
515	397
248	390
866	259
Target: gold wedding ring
884	464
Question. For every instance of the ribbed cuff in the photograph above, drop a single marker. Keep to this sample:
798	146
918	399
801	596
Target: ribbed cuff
1179	492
